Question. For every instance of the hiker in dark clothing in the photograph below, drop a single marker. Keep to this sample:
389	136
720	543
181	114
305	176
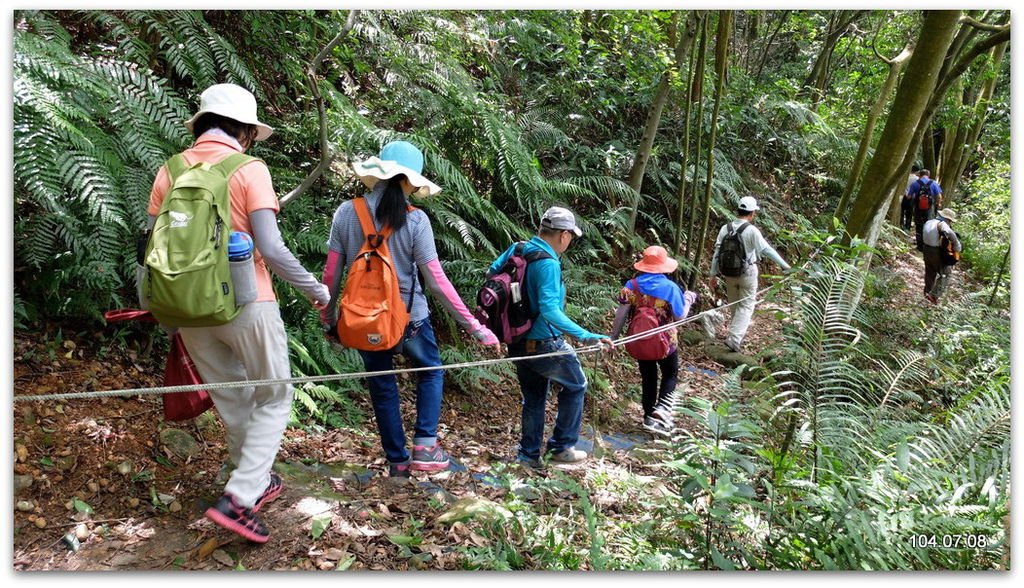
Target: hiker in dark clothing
926	196
907	204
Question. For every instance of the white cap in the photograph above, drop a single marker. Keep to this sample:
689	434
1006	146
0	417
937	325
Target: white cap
230	101
559	218
748	204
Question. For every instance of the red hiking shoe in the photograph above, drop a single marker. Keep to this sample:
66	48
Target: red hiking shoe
237	519
273	491
429	459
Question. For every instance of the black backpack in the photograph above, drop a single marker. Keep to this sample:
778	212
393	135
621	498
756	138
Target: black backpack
732	255
501	302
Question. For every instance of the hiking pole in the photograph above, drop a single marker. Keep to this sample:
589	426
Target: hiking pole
595	417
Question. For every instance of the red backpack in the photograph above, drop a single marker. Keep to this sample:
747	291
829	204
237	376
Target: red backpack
645	318
924	196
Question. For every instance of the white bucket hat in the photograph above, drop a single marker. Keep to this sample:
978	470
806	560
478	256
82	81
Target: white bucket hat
230	101
396	158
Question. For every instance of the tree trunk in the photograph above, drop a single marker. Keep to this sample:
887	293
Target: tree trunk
754	20
697	91
953	136
681	193
951	182
905	115
643	152
326	157
721	69
815	84
766	51
928	158
895	67
999	277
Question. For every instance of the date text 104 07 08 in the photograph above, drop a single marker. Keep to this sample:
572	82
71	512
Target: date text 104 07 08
953	541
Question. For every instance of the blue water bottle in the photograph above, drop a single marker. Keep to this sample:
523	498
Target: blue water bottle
243	267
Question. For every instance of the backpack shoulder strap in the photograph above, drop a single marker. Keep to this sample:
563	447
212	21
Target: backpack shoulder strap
230	164
537	255
640	296
741	228
176	165
375	238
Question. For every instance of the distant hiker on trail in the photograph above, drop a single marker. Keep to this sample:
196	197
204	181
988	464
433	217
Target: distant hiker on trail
253	345
926	198
738	250
401	241
941	252
907	203
648	301
545	294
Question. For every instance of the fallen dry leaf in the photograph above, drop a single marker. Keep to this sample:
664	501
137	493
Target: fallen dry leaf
223	558
207	548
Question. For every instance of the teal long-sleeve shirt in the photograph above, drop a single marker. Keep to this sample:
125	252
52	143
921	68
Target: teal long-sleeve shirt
545	293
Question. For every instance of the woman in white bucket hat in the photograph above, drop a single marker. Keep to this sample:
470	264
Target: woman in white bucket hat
392	176
254	345
232	102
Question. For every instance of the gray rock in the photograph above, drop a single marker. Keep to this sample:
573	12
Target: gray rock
22	482
474	508
691	337
180	443
66	463
525	492
728	357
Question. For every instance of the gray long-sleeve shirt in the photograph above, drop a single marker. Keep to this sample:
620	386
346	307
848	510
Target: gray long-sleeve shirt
754	244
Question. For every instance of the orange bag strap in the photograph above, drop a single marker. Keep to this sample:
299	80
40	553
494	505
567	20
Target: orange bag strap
376	239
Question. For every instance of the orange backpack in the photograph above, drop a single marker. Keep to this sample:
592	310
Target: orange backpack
371	315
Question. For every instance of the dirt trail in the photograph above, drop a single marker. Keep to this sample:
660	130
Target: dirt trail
106	494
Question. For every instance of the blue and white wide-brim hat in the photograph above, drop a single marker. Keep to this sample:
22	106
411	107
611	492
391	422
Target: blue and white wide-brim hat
395	159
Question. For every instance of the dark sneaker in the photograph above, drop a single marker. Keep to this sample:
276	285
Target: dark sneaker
237	519
429	459
273	491
657	426
931	298
569	455
399	470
